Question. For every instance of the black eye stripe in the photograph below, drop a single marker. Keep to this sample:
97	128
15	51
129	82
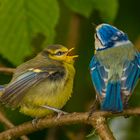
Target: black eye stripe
59	53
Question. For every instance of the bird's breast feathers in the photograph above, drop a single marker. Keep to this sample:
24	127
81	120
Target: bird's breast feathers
54	93
116	56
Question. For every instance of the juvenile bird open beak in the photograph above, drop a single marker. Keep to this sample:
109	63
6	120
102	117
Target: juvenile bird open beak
69	54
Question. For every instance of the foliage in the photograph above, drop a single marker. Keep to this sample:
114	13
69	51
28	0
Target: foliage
85	8
26	25
24	22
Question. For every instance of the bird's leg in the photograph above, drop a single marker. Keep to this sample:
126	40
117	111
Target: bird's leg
94	107
125	105
59	112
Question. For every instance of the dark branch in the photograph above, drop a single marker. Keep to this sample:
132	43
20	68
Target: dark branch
7	70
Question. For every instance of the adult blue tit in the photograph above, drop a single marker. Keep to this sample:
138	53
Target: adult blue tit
43	84
114	68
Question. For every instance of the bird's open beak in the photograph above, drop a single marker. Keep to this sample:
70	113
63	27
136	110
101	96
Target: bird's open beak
69	54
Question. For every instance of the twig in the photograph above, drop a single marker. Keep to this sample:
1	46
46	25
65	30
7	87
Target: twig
102	128
5	121
7	70
8	124
73	118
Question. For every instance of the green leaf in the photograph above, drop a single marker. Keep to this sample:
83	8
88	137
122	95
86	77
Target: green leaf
83	7
107	8
23	24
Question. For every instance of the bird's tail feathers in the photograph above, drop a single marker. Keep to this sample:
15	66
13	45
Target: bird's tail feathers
113	100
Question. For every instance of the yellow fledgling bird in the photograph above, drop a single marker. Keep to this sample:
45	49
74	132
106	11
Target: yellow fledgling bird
43	84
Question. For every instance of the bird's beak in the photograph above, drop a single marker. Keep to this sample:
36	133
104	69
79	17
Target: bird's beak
69	56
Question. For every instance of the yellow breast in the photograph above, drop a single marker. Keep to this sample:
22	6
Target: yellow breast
52	93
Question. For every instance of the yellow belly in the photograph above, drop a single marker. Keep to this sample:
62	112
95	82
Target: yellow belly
54	94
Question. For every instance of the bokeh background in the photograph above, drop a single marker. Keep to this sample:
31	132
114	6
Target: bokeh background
26	27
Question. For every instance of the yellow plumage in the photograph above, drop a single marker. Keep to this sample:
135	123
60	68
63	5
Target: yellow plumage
56	99
54	66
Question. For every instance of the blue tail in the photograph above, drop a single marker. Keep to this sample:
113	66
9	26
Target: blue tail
113	101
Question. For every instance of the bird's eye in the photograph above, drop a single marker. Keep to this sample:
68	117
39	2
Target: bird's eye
59	53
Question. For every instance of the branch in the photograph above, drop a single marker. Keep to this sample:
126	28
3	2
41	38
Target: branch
8	124
102	128
7	70
73	118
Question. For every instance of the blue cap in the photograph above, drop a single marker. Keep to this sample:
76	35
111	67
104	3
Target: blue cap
109	35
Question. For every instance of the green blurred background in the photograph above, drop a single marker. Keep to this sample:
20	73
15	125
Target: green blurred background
28	26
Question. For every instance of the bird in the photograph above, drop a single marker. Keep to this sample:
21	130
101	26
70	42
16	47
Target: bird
114	68
42	85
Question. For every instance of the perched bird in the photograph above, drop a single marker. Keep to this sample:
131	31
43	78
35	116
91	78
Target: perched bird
43	84
114	68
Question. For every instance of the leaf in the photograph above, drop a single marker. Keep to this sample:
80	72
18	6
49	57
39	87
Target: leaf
83	7
107	8
22	22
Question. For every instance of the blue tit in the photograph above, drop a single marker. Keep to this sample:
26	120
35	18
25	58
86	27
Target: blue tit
114	68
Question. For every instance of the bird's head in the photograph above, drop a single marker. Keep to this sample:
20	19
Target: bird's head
59	53
108	36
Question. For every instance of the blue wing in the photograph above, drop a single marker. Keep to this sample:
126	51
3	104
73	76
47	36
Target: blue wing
130	76
16	90
99	75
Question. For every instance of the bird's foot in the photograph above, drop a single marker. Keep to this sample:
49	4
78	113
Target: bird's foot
126	116
126	106
58	111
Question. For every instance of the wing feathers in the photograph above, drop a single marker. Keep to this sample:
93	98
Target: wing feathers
99	76
16	90
130	74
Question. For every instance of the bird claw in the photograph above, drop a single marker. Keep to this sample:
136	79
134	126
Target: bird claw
58	111
60	114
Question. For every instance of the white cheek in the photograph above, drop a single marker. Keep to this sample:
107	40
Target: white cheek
98	45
